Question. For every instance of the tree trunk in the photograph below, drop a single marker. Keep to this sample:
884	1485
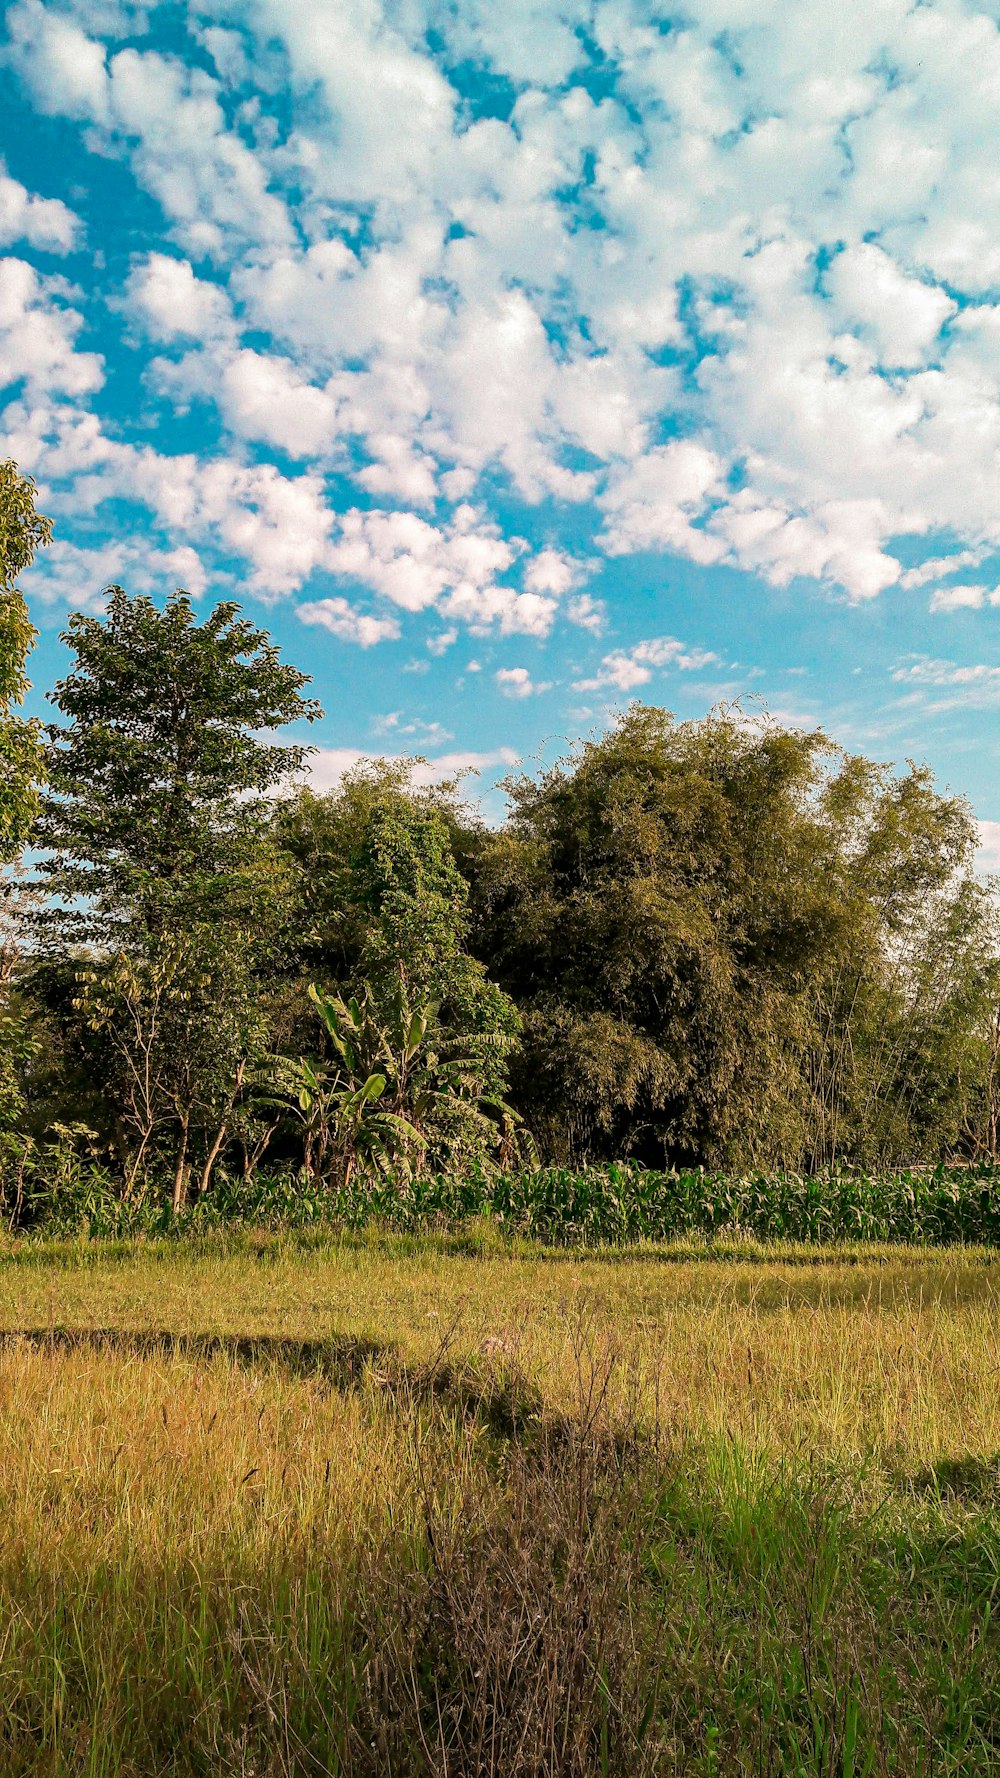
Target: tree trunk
252	1157
221	1132
180	1176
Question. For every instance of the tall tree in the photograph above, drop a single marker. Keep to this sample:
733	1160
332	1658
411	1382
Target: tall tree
385	913
23	531
733	944
158	780
158	825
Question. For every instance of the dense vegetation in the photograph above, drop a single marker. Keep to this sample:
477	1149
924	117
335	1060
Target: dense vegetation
720	944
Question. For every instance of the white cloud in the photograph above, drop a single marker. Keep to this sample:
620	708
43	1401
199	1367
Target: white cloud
37	334
625	669
904	314
414	563
171	301
42	222
166	116
327	766
516	682
989	846
936	566
76	576
423	733
452	568
958	598
342	620
650	504
265	398
553	571
587	613
940	687
755	237
441	643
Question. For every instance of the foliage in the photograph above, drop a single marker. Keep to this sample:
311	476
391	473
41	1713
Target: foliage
61	1185
396	1089
178	1024
23	531
158	806
719	943
384	901
157	823
732	944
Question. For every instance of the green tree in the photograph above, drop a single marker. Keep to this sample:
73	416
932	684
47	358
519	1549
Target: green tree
23	532
159	779
385	918
158	824
733	944
393	1090
383	901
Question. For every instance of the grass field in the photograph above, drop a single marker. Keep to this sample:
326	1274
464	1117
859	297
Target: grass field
441	1505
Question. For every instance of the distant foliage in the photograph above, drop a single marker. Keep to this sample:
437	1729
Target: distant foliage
733	944
719	944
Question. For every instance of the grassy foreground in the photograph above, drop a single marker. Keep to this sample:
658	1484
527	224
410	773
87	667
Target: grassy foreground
397	1505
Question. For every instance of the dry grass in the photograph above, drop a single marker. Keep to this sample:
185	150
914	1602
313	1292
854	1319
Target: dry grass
886	1356
389	1507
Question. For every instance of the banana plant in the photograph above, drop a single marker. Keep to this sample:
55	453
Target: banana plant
394	1084
345	1125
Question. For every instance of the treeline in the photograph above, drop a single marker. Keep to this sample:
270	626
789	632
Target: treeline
720	943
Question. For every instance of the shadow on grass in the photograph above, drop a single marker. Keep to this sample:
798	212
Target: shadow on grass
496	1393
975	1480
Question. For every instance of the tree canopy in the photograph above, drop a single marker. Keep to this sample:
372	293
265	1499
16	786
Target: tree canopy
158	779
23	531
727	939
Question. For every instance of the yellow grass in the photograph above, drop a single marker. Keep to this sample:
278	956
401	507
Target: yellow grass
240	1532
893	1358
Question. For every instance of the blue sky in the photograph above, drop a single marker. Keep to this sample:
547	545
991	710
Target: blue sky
512	361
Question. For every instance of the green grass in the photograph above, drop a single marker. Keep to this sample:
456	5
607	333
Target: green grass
384	1504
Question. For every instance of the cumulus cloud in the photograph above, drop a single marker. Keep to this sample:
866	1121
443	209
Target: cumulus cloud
652	504
516	682
266	398
166	116
626	669
453	569
937	566
739	296
959	598
171	301
38	330
45	223
587	613
343	621
553	571
77	575
904	315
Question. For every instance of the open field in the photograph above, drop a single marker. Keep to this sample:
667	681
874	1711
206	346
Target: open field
395	1505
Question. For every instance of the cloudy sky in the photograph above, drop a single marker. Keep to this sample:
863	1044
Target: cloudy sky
510	361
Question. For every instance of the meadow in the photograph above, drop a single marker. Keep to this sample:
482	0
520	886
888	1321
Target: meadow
386	1503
